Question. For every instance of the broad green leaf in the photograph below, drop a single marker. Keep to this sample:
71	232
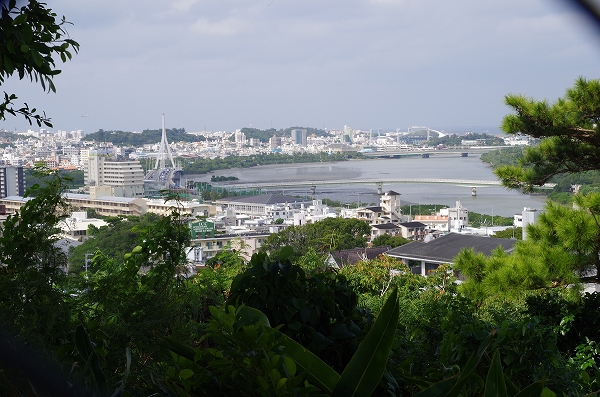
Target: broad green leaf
290	366
494	384
319	373
252	315
438	389
20	19
180	348
366	367
547	393
285	253
533	390
186	373
453	389
86	351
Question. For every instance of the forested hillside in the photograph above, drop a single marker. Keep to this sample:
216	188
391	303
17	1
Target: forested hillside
124	138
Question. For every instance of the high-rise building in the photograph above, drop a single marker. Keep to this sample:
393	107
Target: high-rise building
299	137
125	177
275	142
12	181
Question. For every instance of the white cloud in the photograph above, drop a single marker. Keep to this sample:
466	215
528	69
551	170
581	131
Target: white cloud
536	24
183	5
227	27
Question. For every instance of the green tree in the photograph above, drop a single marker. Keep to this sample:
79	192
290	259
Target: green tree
319	311
30	37
324	236
116	239
562	249
511	232
569	130
386	240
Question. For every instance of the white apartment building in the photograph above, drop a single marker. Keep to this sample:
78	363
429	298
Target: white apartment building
458	217
188	208
126	178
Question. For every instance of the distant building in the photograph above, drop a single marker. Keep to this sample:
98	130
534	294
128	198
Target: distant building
388	210
208	246
125	177
275	142
12	181
299	137
413	230
458	217
433	222
265	205
529	217
76	226
348	257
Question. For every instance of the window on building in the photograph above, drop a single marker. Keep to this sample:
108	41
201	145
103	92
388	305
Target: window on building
415	266
430	267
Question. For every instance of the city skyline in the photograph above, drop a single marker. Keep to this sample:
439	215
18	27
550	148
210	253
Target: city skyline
385	64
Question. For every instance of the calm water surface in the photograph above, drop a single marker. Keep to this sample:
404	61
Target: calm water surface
489	199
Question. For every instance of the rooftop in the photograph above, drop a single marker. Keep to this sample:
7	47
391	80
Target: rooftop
445	248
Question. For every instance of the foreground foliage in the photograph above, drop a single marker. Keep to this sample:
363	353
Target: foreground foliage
138	324
31	36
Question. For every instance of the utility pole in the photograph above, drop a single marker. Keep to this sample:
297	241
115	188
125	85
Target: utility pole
88	262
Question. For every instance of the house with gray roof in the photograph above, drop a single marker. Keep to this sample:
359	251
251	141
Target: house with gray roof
425	257
348	257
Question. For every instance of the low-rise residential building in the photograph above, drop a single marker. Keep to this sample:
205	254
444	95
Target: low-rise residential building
265	205
76	226
385	228
413	230
347	257
209	246
433	222
388	210
458	217
424	257
187	208
105	205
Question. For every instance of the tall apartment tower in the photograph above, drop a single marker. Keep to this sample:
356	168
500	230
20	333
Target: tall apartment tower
12	181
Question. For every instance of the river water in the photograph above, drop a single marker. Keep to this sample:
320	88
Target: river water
489	199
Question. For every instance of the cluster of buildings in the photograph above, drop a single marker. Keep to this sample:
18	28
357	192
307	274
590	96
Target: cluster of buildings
117	184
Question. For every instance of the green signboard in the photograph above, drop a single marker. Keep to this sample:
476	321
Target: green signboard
202	228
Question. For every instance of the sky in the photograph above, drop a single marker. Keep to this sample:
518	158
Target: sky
220	65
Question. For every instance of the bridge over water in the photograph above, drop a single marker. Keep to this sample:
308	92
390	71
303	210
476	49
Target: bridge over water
379	181
428	152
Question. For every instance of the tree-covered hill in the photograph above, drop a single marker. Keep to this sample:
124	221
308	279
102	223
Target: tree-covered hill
125	138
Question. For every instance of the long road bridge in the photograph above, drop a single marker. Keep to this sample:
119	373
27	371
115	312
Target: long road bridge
395	152
379	182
